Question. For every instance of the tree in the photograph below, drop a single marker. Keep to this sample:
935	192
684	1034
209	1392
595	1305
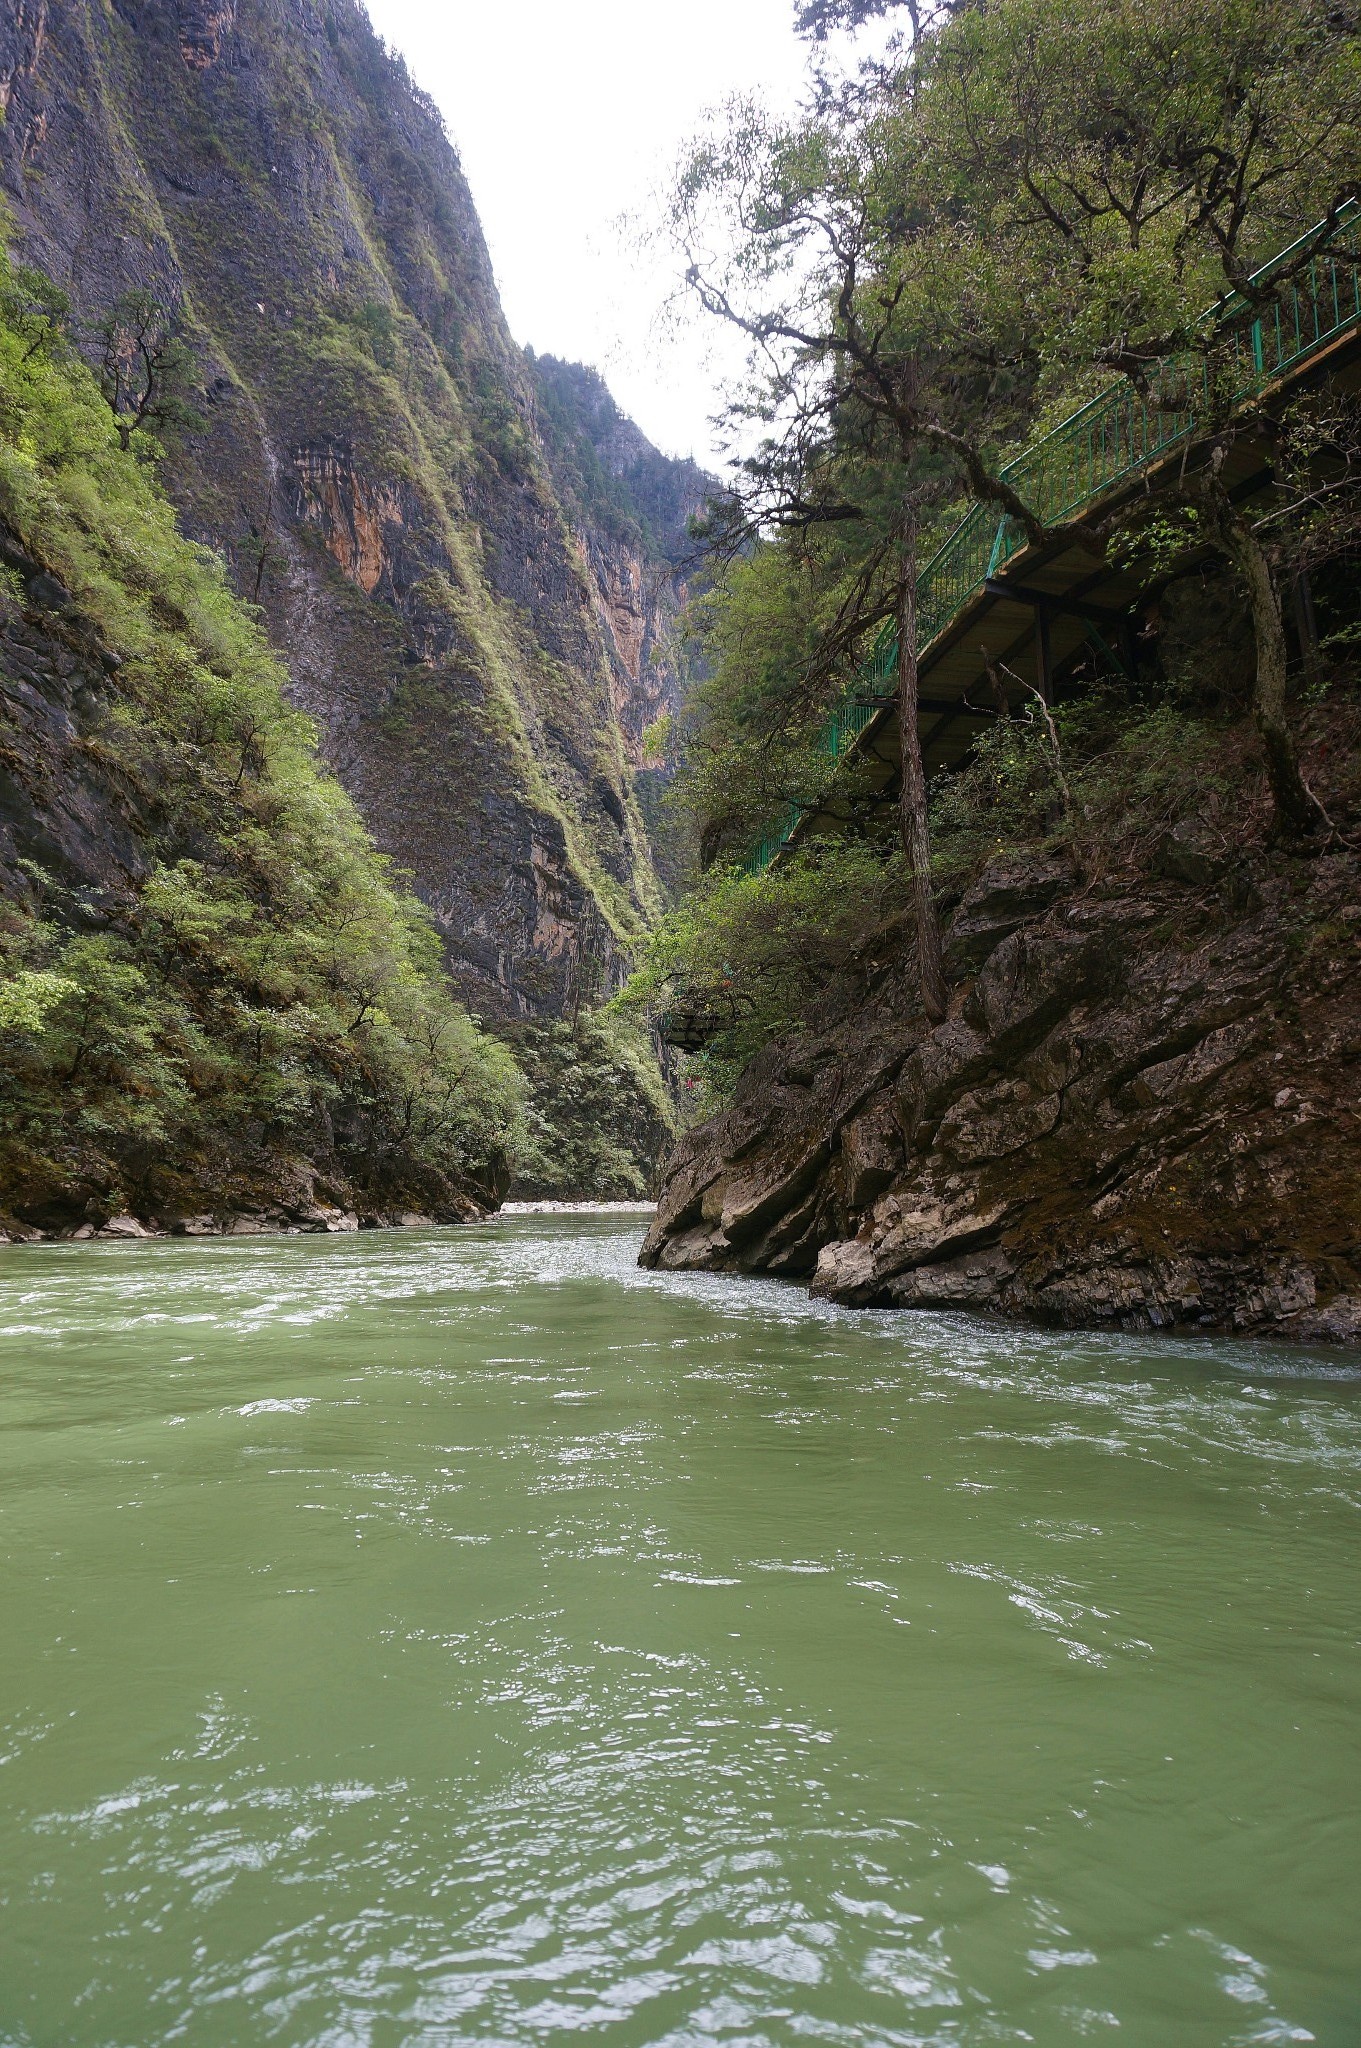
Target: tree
880	406
817	19
1125	166
144	370
26	997
37	309
1023	202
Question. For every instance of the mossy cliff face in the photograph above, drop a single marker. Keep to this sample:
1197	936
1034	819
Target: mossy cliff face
472	633
632	508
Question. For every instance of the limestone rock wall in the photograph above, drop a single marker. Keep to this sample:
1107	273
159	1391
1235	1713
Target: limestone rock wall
633	509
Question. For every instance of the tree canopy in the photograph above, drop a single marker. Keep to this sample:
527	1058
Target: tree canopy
943	257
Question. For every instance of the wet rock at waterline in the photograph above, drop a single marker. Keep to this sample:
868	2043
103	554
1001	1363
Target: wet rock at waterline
308	1221
1141	1110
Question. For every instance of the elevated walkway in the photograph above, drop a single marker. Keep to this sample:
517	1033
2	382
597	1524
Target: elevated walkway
988	598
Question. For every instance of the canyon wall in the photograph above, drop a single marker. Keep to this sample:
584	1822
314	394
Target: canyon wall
470	561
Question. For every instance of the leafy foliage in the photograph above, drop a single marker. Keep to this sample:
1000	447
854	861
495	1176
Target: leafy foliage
27	997
598	1115
1121	775
817	18
1017	204
931	265
755	950
267	992
37	309
748	730
1120	166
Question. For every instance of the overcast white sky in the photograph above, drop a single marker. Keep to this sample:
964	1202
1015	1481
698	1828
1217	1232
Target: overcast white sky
568	116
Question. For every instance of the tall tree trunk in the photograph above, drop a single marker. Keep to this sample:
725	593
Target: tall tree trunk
912	803
1298	813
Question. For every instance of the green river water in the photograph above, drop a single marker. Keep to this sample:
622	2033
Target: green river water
463	1637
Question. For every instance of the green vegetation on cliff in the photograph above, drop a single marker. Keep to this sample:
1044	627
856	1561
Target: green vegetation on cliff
1022	205
214	992
369	460
610	472
598	1115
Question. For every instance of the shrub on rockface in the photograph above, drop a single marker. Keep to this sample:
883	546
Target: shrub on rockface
753	951
1102	776
263	1002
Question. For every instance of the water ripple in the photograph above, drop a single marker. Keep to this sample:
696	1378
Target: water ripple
507	1645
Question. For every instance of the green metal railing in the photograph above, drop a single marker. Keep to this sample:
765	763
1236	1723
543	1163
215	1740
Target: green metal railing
1112	437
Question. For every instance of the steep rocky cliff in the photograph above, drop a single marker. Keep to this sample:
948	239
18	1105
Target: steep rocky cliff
478	629
633	507
1141	1109
217	1003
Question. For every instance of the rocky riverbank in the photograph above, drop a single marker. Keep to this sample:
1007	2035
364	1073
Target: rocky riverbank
315	1219
1142	1109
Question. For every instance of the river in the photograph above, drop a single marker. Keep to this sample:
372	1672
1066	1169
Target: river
464	1637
